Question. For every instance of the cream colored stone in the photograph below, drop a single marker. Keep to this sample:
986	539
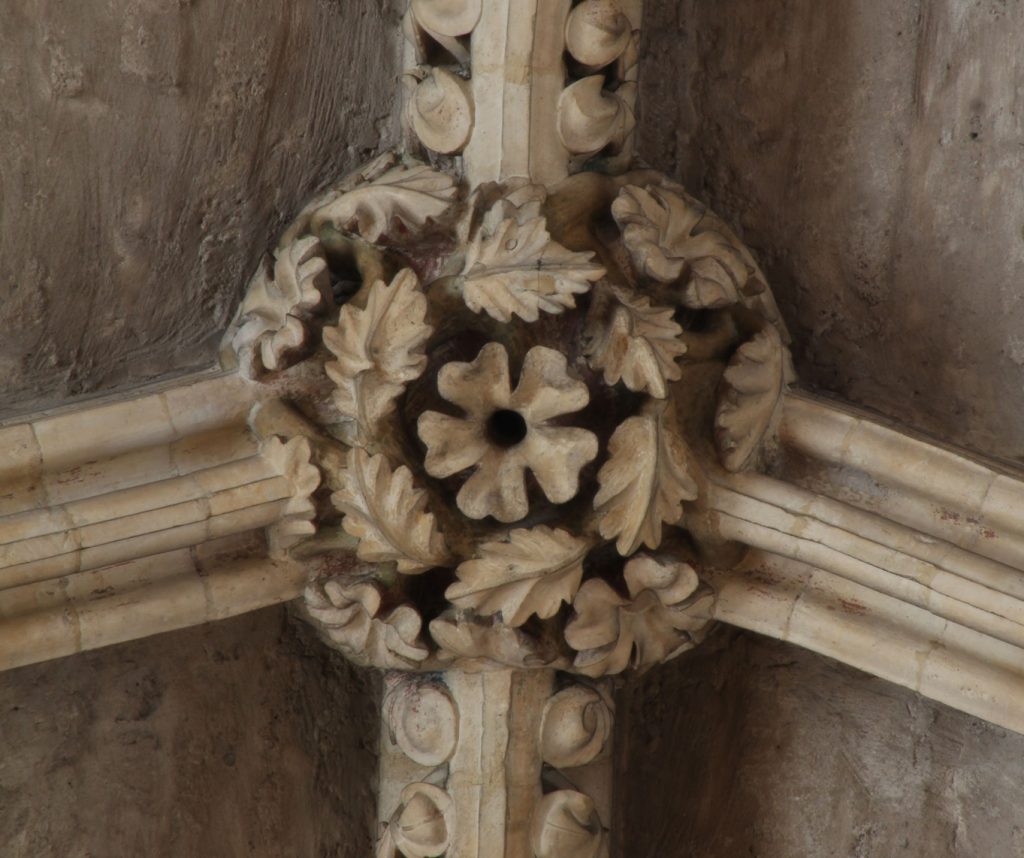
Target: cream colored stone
249	495
151	542
37	548
576	727
69	439
37	637
566	825
133	599
389	515
249	518
422	720
20	465
121	577
501	454
209	449
591	118
441	111
209	404
48	568
597	33
112	506
242	586
912	581
27	525
378	350
879	634
232	474
151	608
137	467
644	481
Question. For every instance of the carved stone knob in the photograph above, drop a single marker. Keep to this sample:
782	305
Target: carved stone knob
422	721
576	726
589	118
421	826
597	33
441	111
447	17
566	825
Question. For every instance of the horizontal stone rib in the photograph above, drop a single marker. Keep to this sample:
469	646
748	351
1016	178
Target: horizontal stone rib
885	636
936	490
141	598
880	567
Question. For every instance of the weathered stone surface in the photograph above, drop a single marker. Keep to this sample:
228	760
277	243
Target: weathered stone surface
152	150
240	738
751	747
871	155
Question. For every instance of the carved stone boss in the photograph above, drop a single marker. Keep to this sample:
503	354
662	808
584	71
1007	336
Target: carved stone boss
512	418
531	360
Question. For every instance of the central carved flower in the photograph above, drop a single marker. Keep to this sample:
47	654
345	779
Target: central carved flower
506	431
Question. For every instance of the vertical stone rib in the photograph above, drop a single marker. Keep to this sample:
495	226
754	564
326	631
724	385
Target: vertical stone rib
518	74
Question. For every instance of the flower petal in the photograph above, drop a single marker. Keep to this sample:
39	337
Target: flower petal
545	389
555	454
498	488
480	387
453	443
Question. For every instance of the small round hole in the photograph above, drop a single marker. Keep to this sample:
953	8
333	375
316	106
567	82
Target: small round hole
506	428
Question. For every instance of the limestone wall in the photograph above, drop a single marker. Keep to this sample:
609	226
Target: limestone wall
243	739
750	747
150	152
871	154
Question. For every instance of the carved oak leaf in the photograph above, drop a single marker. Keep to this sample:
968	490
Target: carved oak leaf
276	307
637	343
644	481
751	397
518	270
660	230
410	194
665	615
348	616
522	202
363	175
532	571
388	515
292	460
473	644
379	349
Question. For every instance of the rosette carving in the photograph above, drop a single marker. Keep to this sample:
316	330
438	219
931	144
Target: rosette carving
506	432
496	411
513	395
